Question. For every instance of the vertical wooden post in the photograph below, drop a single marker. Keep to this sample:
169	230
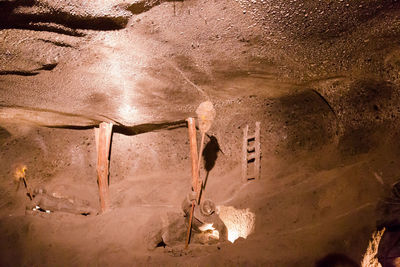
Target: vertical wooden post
257	151
103	142
244	153
195	172
193	153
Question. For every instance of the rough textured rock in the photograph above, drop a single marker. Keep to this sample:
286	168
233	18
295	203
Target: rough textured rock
321	77
97	15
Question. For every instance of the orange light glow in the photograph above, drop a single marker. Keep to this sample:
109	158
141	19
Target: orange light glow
20	172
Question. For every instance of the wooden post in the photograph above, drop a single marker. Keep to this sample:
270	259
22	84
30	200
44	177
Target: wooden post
103	142
195	172
193	153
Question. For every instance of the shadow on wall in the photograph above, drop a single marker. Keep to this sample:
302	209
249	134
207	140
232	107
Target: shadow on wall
210	155
336	260
305	119
366	112
4	135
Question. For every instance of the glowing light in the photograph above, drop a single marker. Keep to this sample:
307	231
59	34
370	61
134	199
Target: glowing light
121	77
127	111
240	223
208	227
20	172
233	235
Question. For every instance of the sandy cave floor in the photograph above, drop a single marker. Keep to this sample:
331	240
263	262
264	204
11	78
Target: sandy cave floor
306	205
325	88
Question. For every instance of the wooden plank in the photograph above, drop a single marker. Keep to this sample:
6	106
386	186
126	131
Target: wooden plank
193	153
257	151
251	148
244	153
251	156
196	186
103	142
251	137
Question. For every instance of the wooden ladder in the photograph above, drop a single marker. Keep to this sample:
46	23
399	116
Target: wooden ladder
251	154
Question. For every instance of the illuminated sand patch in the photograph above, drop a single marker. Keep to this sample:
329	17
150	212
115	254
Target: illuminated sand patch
240	223
208	227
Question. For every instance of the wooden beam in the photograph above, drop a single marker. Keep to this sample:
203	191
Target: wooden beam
196	187
193	153
103	141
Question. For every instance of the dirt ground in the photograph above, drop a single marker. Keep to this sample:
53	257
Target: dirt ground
323	78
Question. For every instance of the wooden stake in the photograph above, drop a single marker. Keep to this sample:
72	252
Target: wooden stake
200	182
193	152
201	150
103	142
195	172
30	195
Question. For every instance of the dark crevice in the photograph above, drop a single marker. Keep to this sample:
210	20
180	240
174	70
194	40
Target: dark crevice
19	73
140	7
56	43
128	130
326	102
4	134
161	244
74	127
71	21
48	67
9	6
50	27
54	20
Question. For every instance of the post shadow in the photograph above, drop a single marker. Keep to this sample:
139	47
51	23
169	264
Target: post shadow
210	155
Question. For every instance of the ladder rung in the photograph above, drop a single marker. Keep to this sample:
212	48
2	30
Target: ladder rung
251	156
251	137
